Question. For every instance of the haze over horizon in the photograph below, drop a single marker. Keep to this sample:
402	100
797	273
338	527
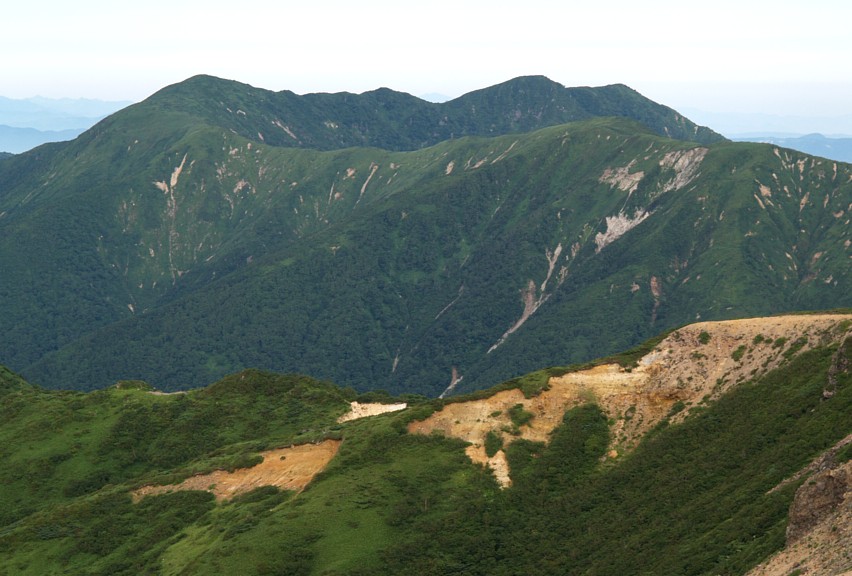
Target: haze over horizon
764	57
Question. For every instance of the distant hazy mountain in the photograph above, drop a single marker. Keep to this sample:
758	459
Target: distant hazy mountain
816	144
17	140
55	114
30	122
749	124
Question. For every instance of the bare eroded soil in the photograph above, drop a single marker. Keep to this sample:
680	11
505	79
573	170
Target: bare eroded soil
288	468
693	365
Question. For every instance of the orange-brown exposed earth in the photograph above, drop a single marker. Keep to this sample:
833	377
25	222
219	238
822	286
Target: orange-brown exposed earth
692	366
289	468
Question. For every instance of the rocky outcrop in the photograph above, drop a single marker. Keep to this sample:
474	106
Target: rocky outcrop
819	528
839	365
818	498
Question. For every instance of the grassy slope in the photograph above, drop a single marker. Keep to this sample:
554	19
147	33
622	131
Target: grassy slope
691	499
67	444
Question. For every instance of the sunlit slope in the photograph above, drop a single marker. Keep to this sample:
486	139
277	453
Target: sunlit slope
642	463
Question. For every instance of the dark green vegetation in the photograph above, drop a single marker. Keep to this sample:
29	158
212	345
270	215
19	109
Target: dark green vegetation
191	236
692	498
58	445
397	121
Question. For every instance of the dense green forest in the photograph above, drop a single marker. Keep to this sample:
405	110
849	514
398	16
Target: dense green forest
178	240
426	276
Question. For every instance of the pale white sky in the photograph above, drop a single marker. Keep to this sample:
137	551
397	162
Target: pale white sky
769	56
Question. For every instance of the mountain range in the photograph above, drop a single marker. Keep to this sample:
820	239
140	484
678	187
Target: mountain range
735	125
836	148
532	330
30	122
55	114
381	241
16	140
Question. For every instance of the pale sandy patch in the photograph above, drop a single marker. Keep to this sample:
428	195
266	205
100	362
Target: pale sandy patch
358	410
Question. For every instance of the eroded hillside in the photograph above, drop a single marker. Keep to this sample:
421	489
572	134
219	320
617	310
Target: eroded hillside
290	468
691	367
467	258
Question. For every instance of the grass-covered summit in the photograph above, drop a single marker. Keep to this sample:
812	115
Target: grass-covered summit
391	120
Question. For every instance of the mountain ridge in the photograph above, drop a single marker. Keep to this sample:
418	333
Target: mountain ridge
394	120
231	296
473	257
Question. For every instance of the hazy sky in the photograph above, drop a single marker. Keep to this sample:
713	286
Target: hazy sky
772	56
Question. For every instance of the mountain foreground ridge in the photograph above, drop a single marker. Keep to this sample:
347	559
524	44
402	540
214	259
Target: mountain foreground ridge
713	448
